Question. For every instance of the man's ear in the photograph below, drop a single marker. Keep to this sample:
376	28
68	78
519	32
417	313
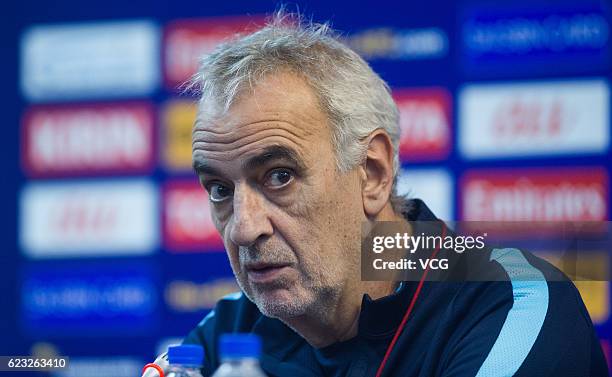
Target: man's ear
377	173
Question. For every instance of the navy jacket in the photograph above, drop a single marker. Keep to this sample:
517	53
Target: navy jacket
523	327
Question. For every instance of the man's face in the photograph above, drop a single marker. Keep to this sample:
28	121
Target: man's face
289	220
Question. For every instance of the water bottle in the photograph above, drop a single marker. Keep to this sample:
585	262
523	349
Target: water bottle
239	356
185	360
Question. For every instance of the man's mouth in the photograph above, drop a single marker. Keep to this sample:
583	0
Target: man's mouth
265	272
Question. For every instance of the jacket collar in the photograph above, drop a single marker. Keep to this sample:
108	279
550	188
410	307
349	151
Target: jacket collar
381	317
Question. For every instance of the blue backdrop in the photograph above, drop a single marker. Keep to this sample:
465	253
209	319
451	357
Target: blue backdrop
109	253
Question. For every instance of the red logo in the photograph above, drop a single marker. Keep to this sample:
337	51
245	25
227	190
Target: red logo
89	218
187	222
186	41
425	123
573	194
520	118
88	139
540	118
79	215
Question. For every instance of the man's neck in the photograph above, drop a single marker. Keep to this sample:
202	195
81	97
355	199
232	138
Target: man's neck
340	319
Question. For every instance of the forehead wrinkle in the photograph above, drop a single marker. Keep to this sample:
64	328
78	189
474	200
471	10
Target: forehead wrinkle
232	136
220	146
304	125
200	154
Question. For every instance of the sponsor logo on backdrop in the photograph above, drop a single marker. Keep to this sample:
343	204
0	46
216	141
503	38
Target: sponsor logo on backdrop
188	226
185	41
88	139
85	219
545	194
118	366
595	296
544	118
433	186
425	123
99	298
399	44
177	120
190	296
594	293
90	60
535	39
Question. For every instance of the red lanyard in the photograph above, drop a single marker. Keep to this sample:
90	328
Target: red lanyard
381	367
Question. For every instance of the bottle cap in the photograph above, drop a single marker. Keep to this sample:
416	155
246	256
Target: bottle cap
187	354
236	346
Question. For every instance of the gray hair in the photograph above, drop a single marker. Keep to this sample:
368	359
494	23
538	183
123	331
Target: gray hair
355	99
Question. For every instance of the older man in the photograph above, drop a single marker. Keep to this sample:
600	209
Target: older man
296	143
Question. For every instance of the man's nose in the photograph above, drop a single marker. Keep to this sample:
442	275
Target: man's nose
250	216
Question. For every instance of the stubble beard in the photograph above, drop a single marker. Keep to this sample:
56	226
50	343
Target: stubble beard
298	299
314	293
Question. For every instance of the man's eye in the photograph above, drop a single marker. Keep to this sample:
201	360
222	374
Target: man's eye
279	178
218	192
